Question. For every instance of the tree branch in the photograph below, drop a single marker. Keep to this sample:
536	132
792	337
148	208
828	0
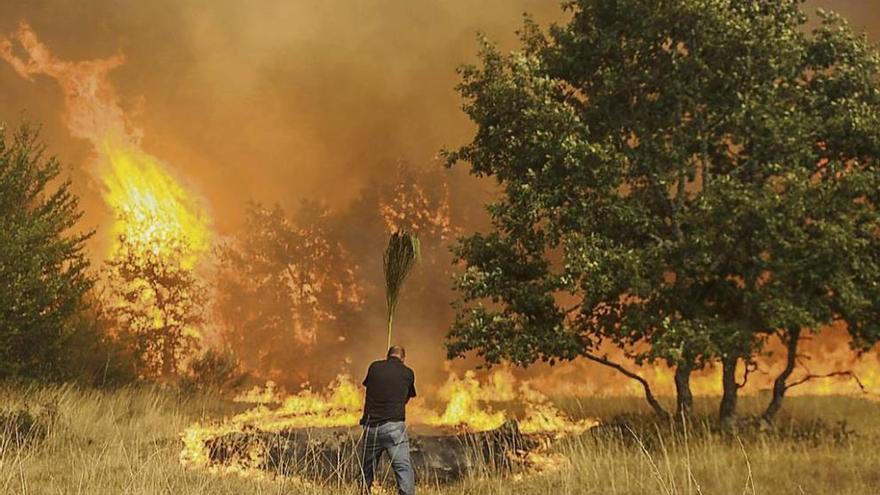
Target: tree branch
573	307
649	395
812	376
750	367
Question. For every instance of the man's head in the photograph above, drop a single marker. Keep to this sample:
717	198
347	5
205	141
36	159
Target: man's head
398	352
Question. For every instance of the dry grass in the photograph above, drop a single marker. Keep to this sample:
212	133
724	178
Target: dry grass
127	442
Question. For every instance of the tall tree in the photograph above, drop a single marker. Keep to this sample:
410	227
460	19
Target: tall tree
660	168
822	261
43	268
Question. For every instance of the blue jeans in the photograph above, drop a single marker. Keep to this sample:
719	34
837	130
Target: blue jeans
388	437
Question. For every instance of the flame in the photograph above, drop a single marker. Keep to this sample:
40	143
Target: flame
261	395
465	404
467	407
543	417
152	211
339	405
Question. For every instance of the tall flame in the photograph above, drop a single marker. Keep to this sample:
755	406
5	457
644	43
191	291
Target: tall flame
152	210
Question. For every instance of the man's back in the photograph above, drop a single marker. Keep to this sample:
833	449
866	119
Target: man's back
390	384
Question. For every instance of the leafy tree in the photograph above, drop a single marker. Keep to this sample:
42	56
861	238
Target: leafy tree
417	199
820	255
284	289
157	306
681	179
43	268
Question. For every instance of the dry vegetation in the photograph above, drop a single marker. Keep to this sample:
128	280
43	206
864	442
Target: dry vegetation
70	440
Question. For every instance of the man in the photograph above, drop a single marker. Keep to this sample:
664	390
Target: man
390	385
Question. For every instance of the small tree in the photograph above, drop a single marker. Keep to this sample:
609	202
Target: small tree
822	254
157	305
43	267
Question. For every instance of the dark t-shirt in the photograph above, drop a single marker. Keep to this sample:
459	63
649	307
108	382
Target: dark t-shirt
390	385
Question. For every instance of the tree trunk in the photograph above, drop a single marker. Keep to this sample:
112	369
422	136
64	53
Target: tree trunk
779	385
729	388
684	398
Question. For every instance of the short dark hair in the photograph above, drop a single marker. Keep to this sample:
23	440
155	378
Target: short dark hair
397	351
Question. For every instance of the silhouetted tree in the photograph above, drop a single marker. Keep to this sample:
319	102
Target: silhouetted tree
285	292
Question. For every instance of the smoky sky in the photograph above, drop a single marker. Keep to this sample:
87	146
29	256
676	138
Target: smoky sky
275	100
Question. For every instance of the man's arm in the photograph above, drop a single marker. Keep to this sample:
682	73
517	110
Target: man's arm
412	388
367	378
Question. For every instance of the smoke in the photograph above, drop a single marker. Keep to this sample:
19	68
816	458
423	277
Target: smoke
275	100
277	103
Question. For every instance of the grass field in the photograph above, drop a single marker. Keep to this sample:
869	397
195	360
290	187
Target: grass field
75	441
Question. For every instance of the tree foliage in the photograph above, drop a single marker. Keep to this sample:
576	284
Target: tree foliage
680	179
43	268
285	289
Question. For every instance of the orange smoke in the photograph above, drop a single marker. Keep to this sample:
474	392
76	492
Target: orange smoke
93	111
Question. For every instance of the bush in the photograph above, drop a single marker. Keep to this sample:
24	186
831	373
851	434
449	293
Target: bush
215	369
22	428
93	357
